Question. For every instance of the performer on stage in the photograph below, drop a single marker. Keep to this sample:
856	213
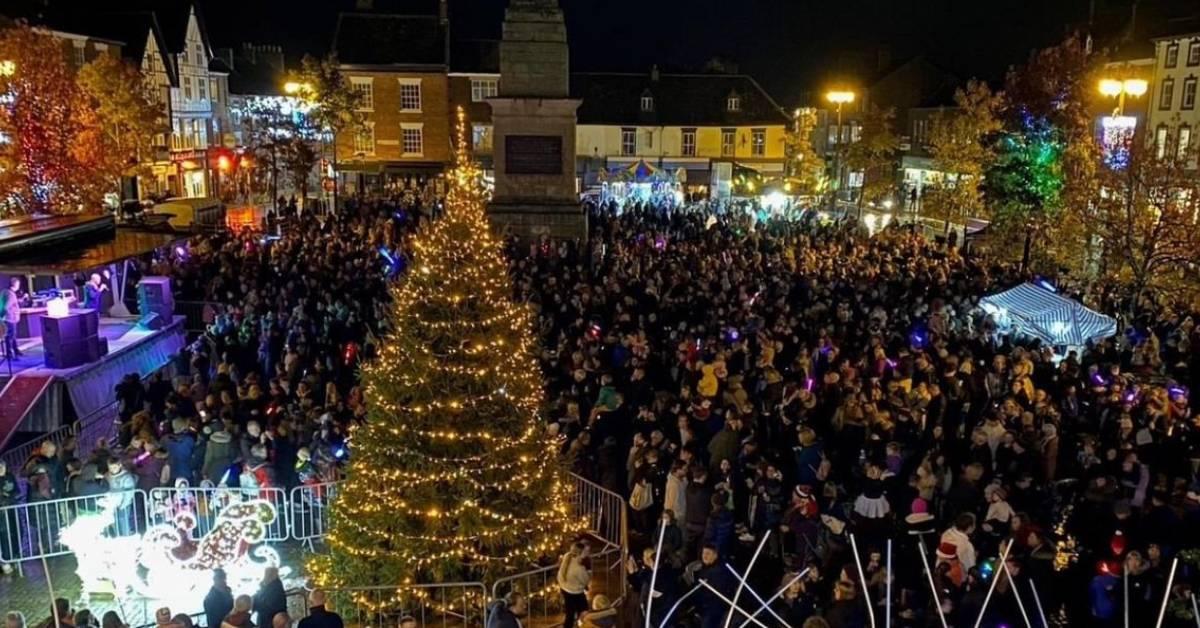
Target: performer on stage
12	316
93	293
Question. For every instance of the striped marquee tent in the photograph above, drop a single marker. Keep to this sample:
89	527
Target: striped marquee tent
1044	314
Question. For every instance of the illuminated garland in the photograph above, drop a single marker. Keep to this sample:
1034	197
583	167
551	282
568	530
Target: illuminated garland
454	476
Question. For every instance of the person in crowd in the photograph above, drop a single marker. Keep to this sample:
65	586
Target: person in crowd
239	617
574	575
318	615
270	598
506	612
219	601
14	619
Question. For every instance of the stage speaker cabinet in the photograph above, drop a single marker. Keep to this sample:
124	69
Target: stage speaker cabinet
151	320
154	295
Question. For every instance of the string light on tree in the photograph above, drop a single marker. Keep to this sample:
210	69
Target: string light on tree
454	476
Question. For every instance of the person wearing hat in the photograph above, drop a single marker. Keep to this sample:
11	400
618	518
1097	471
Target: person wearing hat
318	615
948	564
240	616
507	611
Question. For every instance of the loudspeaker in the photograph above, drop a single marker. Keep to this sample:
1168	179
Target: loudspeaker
151	320
154	295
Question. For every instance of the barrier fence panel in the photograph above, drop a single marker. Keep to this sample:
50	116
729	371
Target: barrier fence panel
34	530
540	586
444	605
206	505
604	509
308	510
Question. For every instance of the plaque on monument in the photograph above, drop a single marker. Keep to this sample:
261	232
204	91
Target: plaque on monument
533	154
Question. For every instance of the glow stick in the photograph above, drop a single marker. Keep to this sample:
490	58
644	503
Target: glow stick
1016	594
1167	593
1038	600
667	619
729	602
862	579
775	597
887	603
662	531
992	588
932	588
742	581
754	593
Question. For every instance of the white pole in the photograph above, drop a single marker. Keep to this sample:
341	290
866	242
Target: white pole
775	597
937	603
1195	611
730	603
992	588
674	606
1167	593
863	580
662	531
1125	595
751	590
1038	600
887	602
1017	594
742	582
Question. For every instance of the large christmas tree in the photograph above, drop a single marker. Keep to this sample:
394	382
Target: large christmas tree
453	477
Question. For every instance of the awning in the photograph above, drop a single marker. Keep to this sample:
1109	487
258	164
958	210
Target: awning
1045	314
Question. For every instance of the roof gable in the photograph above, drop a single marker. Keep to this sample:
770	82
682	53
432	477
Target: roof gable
679	99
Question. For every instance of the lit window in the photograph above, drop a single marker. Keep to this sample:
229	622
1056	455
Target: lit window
1167	94
365	86
647	103
687	144
410	94
412	139
481	136
187	88
1184	145
628	141
80	53
833	134
1189	94
482	89
733	103
1172	55
728	142
364	140
1160	141
758	142
199	47
201	89
1194	54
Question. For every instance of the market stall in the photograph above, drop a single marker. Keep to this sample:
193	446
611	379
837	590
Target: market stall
640	182
1042	313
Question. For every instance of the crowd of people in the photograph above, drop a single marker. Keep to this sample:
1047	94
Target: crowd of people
740	382
751	387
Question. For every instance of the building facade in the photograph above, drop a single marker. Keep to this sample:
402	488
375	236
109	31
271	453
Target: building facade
1174	114
696	125
398	64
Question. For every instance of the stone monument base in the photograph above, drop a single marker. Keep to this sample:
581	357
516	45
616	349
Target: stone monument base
529	220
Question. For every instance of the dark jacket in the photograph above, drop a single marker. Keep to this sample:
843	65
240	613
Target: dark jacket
500	617
217	604
269	600
180	451
318	617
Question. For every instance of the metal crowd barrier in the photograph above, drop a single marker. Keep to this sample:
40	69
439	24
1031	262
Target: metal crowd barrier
33	530
308	510
540	586
204	505
86	431
447	604
604	509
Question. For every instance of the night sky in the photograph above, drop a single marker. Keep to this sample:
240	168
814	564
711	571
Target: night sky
790	46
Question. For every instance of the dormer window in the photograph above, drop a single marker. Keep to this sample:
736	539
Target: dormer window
647	102
733	102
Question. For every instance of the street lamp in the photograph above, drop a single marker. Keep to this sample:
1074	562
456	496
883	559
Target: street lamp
1119	89
838	98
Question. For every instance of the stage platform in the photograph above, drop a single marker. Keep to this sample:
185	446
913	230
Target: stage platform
84	389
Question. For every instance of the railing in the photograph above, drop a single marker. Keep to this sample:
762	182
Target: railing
604	509
308	510
447	604
205	505
87	431
34	530
540	586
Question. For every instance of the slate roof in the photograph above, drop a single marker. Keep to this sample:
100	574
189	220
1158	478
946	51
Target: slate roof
679	99
388	39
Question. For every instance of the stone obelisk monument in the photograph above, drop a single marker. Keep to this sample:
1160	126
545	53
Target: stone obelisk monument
534	125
